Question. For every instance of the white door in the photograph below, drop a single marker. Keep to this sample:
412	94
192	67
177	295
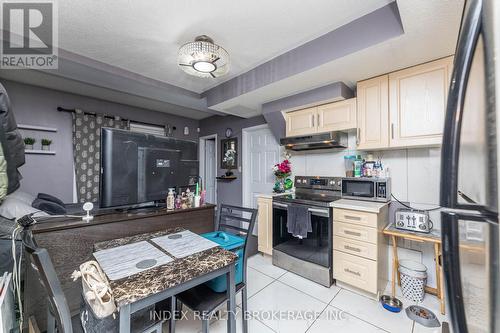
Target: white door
209	176
261	151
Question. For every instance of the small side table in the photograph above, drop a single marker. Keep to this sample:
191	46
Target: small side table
433	237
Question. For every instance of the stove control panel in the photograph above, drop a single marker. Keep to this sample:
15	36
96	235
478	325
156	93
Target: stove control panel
327	183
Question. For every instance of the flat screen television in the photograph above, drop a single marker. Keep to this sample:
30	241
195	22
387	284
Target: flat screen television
138	168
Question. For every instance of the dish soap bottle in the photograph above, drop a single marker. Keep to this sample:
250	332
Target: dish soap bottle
170	199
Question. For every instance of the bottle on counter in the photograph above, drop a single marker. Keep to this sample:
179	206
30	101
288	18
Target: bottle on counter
170	199
368	166
358	166
184	200
202	197
178	202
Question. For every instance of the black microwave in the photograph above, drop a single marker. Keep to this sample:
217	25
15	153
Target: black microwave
367	188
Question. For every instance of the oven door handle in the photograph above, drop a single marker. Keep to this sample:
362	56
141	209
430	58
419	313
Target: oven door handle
280	205
320	212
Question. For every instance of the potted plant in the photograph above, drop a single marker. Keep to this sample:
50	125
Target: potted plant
29	142
282	171
46	144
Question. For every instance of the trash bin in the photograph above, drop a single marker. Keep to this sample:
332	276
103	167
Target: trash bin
413	279
232	243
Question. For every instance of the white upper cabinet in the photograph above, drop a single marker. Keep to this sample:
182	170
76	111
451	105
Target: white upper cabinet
373	113
417	103
405	108
337	116
334	116
301	122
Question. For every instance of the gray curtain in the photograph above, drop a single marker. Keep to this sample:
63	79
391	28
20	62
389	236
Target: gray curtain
86	151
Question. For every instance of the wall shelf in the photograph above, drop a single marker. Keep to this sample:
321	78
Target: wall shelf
39	152
36	128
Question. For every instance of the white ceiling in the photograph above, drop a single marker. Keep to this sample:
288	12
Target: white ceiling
431	31
144	36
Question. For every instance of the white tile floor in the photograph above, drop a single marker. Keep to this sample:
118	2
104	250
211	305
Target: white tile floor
338	310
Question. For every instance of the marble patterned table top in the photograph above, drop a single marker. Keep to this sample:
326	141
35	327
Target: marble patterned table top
157	279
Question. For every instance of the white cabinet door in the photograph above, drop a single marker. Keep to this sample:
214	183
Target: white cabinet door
373	113
417	103
301	122
337	116
265	221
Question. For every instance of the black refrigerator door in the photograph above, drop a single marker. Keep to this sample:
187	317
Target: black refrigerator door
470	261
469	178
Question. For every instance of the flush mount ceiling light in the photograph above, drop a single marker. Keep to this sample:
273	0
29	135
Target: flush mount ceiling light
203	58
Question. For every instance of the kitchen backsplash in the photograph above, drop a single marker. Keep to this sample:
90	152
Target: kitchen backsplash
414	172
415	177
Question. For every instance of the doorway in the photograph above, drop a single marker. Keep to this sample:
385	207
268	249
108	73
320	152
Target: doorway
208	167
261	151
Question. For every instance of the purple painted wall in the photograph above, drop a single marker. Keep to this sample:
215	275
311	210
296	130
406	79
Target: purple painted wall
38	106
228	192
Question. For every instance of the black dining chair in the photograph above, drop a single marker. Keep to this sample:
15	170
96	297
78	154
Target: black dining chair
58	314
59	317
239	221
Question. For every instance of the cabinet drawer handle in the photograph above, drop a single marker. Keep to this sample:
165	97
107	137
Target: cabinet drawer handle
348	232
350	217
355	249
347	270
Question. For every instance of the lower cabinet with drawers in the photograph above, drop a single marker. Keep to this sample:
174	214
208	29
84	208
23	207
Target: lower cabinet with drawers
359	248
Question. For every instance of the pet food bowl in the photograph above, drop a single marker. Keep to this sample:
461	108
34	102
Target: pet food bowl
391	303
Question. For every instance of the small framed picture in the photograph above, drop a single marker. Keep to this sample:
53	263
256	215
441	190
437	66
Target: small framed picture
229	154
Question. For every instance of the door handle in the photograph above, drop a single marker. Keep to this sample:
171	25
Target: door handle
392	131
317	116
357	136
319	211
280	205
312	120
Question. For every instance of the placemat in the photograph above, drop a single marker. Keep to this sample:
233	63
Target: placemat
184	243
126	260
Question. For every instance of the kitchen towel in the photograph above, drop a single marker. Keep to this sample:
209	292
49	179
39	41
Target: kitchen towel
298	221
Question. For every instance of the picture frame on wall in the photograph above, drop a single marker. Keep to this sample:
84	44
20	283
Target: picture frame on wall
229	155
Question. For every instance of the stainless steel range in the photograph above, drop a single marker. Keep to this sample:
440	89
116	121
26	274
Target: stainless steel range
310	207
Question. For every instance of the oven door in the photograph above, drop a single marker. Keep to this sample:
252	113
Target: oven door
316	247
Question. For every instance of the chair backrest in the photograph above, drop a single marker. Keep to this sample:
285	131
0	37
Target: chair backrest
48	277
239	221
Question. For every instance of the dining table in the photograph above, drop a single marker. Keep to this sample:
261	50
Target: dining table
148	268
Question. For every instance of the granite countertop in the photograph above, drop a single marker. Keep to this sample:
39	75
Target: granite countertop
360	205
149	282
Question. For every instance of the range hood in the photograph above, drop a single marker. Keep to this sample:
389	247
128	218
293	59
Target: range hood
327	140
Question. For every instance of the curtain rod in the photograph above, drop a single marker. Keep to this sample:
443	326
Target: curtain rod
61	109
